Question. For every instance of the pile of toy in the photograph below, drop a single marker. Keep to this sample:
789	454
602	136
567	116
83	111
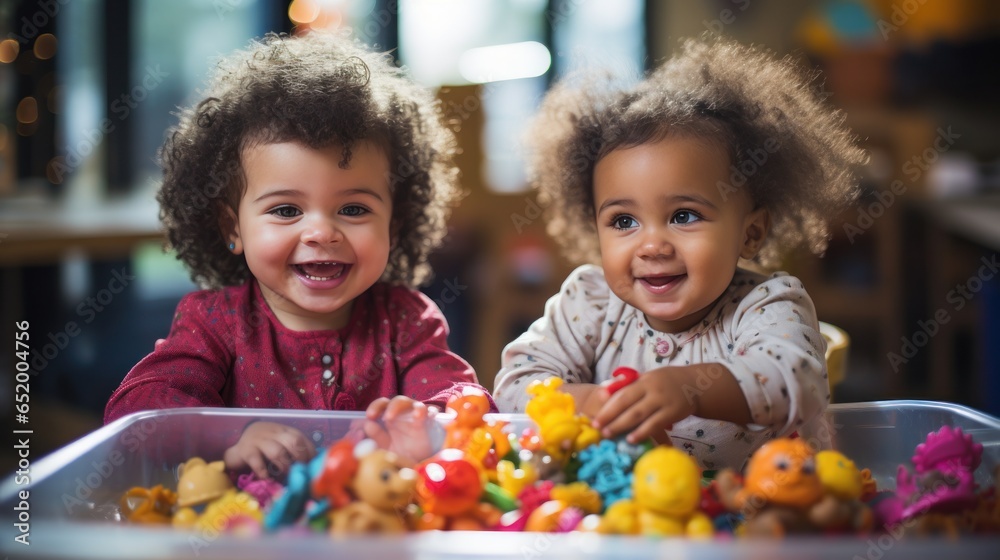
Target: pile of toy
562	476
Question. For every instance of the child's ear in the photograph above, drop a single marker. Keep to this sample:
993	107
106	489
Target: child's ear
758	223
229	226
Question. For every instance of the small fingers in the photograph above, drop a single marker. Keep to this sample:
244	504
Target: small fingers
399	405
257	464
375	431
611	414
376	408
654	426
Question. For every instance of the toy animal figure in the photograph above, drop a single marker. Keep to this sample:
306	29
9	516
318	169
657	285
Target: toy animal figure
560	428
200	482
781	491
383	488
666	486
842	480
944	482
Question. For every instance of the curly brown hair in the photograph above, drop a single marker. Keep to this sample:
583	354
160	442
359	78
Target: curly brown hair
790	151
318	89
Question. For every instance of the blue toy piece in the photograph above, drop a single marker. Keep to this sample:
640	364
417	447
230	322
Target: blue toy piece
607	471
289	506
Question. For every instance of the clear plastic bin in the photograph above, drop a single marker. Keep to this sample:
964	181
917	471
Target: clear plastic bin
71	490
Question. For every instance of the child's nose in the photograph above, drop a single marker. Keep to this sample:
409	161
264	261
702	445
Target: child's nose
654	243
321	232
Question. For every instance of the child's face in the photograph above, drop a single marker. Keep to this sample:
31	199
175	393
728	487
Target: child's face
671	229
315	236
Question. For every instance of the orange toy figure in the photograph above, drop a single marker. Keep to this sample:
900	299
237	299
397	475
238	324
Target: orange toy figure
560	428
383	487
339	468
666	486
482	440
449	487
148	505
781	493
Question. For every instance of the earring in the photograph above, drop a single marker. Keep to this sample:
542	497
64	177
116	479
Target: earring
232	246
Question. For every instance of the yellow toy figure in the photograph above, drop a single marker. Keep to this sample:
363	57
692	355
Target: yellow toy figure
667	491
842	480
560	428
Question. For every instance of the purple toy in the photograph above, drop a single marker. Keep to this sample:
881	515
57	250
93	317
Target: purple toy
944	480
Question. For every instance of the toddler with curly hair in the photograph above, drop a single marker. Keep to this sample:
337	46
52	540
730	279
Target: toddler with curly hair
305	193
722	158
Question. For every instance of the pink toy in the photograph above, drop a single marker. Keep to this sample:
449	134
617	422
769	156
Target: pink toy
262	490
944	481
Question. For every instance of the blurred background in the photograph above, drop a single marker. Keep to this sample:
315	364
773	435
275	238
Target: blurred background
88	87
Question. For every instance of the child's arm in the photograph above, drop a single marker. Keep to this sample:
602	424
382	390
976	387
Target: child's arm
427	370
774	376
663	396
188	368
562	343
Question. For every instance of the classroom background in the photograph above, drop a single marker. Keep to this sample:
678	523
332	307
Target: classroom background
88	88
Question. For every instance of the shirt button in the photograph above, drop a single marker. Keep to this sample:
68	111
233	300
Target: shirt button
327	374
327	359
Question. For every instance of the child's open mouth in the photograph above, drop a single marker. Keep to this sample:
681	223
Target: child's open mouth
660	284
321	271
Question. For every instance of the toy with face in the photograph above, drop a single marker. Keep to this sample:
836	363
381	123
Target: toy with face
781	492
842	481
383	488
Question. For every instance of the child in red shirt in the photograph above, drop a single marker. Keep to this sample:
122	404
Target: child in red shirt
305	192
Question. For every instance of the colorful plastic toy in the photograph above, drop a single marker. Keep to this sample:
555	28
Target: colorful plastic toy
666	486
148	505
560	428
448	488
944	481
383	488
607	471
779	492
201	482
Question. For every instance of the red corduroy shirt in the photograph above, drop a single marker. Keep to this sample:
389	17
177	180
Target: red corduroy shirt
227	349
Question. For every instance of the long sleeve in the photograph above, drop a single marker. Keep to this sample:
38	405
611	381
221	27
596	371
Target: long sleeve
778	356
427	370
562	343
189	368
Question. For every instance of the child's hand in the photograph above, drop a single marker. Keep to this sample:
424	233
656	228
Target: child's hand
589	398
269	448
647	407
403	428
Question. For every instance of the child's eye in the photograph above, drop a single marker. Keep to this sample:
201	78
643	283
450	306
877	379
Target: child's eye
623	222
685	217
285	211
353	210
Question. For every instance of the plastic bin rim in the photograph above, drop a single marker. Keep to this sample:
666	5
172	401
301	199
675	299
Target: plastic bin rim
48	465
